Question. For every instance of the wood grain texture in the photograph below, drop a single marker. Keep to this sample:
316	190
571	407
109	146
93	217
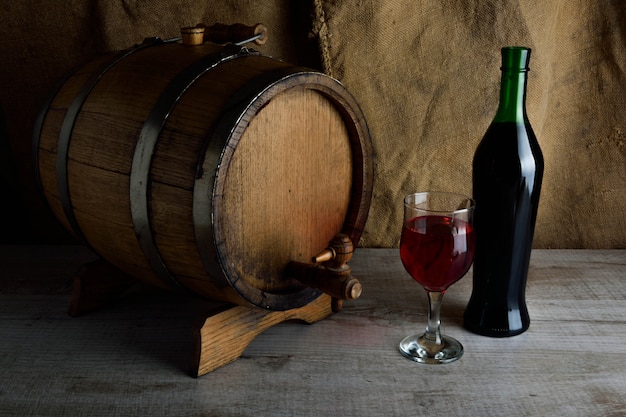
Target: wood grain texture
168	154
288	188
132	357
222	338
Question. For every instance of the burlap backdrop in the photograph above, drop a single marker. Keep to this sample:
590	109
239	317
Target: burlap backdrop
427	75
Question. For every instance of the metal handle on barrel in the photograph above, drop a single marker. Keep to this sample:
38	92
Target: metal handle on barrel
237	33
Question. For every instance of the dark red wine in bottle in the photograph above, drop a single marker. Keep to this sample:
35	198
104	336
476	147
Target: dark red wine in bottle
506	180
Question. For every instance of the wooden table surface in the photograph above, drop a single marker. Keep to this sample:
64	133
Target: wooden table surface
131	358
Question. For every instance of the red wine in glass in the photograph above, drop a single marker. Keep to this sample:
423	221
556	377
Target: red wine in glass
437	250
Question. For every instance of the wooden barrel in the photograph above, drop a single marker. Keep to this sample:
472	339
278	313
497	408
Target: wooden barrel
206	167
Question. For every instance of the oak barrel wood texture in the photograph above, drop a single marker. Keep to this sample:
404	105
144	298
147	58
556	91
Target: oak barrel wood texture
206	167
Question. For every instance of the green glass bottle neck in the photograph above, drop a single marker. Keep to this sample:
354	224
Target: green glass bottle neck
512	107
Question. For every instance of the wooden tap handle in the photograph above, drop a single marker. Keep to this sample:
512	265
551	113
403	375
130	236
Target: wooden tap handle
324	256
238	32
338	253
334	276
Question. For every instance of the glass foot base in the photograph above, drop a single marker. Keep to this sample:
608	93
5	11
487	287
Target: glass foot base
423	350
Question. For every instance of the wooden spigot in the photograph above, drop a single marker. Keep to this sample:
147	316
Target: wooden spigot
221	34
330	271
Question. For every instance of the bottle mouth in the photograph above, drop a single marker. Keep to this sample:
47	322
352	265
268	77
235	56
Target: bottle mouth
515	58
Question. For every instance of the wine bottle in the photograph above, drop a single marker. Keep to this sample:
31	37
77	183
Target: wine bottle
506	178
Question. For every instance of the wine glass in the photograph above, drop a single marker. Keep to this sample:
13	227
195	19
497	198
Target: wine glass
437	249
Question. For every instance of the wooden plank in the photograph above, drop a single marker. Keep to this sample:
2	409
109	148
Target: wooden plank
222	338
96	286
132	357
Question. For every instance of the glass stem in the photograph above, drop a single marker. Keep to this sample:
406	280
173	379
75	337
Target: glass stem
433	333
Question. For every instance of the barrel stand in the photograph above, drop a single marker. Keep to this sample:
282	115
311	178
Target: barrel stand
219	337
